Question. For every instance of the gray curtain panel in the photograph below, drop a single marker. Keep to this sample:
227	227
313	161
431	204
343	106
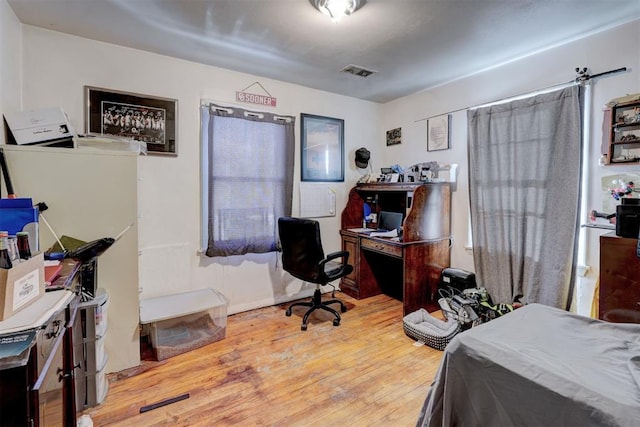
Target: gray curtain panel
250	171
524	186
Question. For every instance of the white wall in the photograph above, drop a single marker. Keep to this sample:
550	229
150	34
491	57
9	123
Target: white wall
10	61
57	66
601	52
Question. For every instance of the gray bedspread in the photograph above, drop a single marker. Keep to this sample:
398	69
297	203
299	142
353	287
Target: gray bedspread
538	366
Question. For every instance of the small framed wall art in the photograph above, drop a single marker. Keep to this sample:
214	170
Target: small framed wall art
394	136
134	116
438	132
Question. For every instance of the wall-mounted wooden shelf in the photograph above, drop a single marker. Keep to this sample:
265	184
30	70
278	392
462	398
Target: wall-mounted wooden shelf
623	124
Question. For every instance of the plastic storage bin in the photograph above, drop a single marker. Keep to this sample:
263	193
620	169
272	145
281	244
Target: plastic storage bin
93	314
182	322
97	385
102	297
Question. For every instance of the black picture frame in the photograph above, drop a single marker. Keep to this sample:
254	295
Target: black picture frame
146	118
394	136
322	148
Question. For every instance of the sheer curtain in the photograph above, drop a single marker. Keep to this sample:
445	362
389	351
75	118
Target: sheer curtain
248	159
524	186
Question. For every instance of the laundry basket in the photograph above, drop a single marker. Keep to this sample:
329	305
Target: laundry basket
436	333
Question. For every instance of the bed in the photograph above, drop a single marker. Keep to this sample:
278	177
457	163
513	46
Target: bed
538	366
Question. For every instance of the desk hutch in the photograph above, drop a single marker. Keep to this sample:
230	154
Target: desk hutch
407	268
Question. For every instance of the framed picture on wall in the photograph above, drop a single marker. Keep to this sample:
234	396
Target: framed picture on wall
438	132
322	148
134	116
394	136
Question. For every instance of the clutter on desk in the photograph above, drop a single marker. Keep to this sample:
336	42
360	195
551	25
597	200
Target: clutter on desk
87	254
13	249
6	261
44	126
21	285
20	215
22	241
110	143
419	172
51	127
52	270
17	214
388	233
14	348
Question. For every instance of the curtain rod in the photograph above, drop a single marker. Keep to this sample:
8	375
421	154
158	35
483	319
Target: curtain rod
581	77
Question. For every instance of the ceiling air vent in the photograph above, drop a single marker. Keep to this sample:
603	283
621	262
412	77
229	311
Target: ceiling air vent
357	71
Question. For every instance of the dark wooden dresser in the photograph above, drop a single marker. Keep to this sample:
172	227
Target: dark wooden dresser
619	295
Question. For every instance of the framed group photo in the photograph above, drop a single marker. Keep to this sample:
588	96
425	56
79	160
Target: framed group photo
322	150
145	118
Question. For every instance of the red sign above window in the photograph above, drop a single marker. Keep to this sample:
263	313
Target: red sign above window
252	98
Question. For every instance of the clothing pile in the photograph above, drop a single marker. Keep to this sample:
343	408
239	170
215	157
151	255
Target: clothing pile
471	307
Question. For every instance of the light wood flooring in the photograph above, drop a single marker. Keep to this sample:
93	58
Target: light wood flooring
365	372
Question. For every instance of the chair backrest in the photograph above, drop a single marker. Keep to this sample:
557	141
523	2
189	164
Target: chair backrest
301	247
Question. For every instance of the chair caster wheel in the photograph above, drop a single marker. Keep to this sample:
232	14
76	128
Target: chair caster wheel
303	327
336	322
288	313
343	309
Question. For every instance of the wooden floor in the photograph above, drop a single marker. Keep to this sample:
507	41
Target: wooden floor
365	372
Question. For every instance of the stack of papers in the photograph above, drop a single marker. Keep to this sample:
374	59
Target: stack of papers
392	233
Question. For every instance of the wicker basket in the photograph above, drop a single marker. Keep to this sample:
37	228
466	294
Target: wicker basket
422	326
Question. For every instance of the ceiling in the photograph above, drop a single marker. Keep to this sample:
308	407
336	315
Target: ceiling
411	44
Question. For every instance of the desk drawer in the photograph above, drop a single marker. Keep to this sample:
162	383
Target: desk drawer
381	246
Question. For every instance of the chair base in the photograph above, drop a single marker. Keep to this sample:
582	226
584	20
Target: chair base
316	303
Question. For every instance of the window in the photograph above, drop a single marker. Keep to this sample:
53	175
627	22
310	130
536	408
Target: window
247	164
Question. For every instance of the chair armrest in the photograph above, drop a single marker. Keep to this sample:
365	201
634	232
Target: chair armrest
343	269
337	270
334	255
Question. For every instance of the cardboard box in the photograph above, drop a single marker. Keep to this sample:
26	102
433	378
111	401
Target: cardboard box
21	285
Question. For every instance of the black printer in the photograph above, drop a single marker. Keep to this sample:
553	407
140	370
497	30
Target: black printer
628	218
457	278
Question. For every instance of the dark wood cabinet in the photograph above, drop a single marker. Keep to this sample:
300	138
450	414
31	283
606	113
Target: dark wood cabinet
40	390
37	388
619	294
407	268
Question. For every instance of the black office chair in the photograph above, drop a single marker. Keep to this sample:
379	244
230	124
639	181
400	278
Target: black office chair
303	258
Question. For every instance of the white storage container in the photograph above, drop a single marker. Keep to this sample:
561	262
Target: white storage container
102	297
94	328
182	322
95	325
97	385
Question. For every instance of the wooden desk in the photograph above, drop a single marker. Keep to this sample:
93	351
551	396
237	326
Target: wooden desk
408	270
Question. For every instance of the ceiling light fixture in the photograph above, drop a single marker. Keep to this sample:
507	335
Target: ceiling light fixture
337	9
